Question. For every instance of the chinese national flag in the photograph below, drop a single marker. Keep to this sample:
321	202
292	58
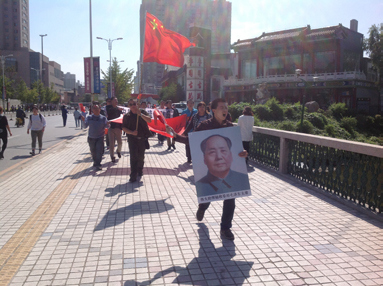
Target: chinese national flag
163	46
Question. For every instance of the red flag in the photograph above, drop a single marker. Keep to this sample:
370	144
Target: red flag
177	123
82	108
163	46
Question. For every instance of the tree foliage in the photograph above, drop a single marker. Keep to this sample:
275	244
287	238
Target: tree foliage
173	91
373	45
123	81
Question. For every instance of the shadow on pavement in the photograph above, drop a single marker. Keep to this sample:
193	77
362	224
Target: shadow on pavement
147	171
214	262
21	157
116	217
121	190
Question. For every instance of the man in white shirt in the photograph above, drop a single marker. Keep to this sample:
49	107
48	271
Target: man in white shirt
37	125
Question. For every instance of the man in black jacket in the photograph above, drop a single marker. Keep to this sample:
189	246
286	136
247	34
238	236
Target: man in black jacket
137	135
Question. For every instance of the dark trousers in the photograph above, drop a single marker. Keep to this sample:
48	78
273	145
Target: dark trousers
137	156
227	212
39	135
246	146
64	119
96	146
161	138
188	153
5	142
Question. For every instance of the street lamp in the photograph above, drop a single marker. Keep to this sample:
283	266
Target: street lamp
3	64
42	55
110	59
298	73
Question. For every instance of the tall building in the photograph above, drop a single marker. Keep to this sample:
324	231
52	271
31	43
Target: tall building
14	27
179	16
69	81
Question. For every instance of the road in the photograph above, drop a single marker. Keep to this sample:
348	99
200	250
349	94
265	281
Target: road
19	145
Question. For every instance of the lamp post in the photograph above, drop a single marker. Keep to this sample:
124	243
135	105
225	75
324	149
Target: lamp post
42	56
298	73
110	59
3	64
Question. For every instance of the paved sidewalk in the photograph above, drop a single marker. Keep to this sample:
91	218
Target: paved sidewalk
62	223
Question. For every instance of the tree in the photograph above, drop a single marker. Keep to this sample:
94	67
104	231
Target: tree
22	91
173	91
373	45
123	81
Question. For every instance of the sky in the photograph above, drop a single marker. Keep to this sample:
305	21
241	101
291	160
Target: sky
67	25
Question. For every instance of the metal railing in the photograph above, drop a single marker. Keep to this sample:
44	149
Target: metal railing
351	170
291	77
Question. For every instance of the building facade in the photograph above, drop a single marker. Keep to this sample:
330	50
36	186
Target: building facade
178	16
330	60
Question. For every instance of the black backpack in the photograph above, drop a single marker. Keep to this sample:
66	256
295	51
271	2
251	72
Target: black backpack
41	118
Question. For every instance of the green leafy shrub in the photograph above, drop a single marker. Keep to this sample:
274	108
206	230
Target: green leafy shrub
306	127
338	110
257	122
263	112
287	125
290	113
330	130
236	110
349	123
317	119
276	109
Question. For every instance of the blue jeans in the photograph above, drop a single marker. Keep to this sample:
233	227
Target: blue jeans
96	146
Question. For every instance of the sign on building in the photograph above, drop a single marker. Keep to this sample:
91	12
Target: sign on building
194	78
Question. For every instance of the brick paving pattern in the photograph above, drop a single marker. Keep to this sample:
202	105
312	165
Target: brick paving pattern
96	228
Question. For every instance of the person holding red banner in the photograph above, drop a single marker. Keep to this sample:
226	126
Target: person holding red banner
170	113
220	111
137	134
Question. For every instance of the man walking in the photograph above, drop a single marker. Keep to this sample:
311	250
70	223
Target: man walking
3	132
189	111
97	124
220	111
170	113
137	135
64	114
115	130
37	125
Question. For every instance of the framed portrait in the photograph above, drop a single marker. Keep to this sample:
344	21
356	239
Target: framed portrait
219	172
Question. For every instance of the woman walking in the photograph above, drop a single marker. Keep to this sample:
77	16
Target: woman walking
246	122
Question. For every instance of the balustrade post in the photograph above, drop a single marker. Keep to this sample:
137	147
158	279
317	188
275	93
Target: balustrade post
283	156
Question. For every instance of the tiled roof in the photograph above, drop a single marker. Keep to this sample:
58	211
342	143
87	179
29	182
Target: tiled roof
326	32
280	35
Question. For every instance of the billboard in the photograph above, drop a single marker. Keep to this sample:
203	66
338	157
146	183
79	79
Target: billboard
96	75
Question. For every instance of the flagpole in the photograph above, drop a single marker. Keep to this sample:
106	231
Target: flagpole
142	67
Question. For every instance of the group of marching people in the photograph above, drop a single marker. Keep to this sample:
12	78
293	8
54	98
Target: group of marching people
135	125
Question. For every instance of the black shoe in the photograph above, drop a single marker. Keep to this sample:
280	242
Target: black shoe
1	155
39	151
98	168
227	234
170	147
113	160
119	154
200	214
174	147
32	153
189	161
132	180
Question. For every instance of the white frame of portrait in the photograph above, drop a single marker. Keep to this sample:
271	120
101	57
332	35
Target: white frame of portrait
200	169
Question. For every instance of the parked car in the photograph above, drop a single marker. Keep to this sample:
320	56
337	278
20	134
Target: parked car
180	106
